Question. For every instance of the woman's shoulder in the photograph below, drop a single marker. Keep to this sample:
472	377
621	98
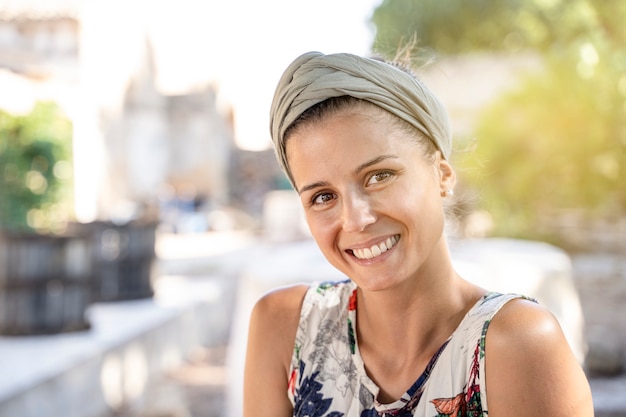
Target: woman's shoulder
523	319
282	304
523	328
272	331
286	304
528	356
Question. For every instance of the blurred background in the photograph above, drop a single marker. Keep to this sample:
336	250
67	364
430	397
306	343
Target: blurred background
135	170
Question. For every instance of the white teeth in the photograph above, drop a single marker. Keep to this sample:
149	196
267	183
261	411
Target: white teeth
375	250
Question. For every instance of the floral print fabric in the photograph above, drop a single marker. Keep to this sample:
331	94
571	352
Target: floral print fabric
328	377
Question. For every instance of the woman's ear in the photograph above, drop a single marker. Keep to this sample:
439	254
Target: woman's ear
447	176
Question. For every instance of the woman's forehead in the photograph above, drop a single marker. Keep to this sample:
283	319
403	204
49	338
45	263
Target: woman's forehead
344	142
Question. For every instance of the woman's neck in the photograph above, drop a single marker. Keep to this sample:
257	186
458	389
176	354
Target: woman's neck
400	329
417	313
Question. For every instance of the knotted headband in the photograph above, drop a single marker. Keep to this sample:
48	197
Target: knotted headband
314	77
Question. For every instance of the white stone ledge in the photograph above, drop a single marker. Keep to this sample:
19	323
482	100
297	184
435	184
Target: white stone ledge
90	373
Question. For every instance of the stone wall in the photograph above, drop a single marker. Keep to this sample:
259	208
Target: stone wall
600	279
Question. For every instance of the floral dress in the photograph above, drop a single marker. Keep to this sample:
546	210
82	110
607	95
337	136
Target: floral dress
328	377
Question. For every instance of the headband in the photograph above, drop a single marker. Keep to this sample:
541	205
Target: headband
314	77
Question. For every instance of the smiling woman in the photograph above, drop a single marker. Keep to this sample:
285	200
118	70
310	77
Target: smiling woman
366	146
347	205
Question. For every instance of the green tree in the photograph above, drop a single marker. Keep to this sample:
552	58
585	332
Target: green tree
450	26
458	26
35	169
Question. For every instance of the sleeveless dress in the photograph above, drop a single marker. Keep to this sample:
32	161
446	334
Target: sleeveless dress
328	377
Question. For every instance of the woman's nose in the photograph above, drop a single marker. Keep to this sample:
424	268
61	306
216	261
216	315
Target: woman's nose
357	213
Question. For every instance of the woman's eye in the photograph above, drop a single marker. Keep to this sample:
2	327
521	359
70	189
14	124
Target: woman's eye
379	177
322	198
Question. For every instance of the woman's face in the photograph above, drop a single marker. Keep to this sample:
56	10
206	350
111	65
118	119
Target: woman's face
372	200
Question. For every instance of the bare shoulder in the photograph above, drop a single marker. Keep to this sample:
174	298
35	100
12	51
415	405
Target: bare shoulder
275	319
271	336
530	367
278	312
523	319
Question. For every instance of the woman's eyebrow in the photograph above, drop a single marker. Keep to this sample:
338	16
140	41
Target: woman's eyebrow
312	186
373	162
357	171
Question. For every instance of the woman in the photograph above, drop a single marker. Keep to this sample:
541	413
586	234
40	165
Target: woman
366	146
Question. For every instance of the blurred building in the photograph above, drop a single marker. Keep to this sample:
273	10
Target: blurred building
39	40
134	144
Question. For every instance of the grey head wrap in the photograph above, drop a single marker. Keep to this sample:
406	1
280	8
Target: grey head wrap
314	77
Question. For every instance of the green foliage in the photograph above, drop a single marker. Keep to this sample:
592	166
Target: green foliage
35	169
458	26
557	143
449	26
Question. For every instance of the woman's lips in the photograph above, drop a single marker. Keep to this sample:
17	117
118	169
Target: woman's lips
376	249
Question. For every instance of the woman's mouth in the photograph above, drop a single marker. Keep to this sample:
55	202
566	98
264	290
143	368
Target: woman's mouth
377	249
